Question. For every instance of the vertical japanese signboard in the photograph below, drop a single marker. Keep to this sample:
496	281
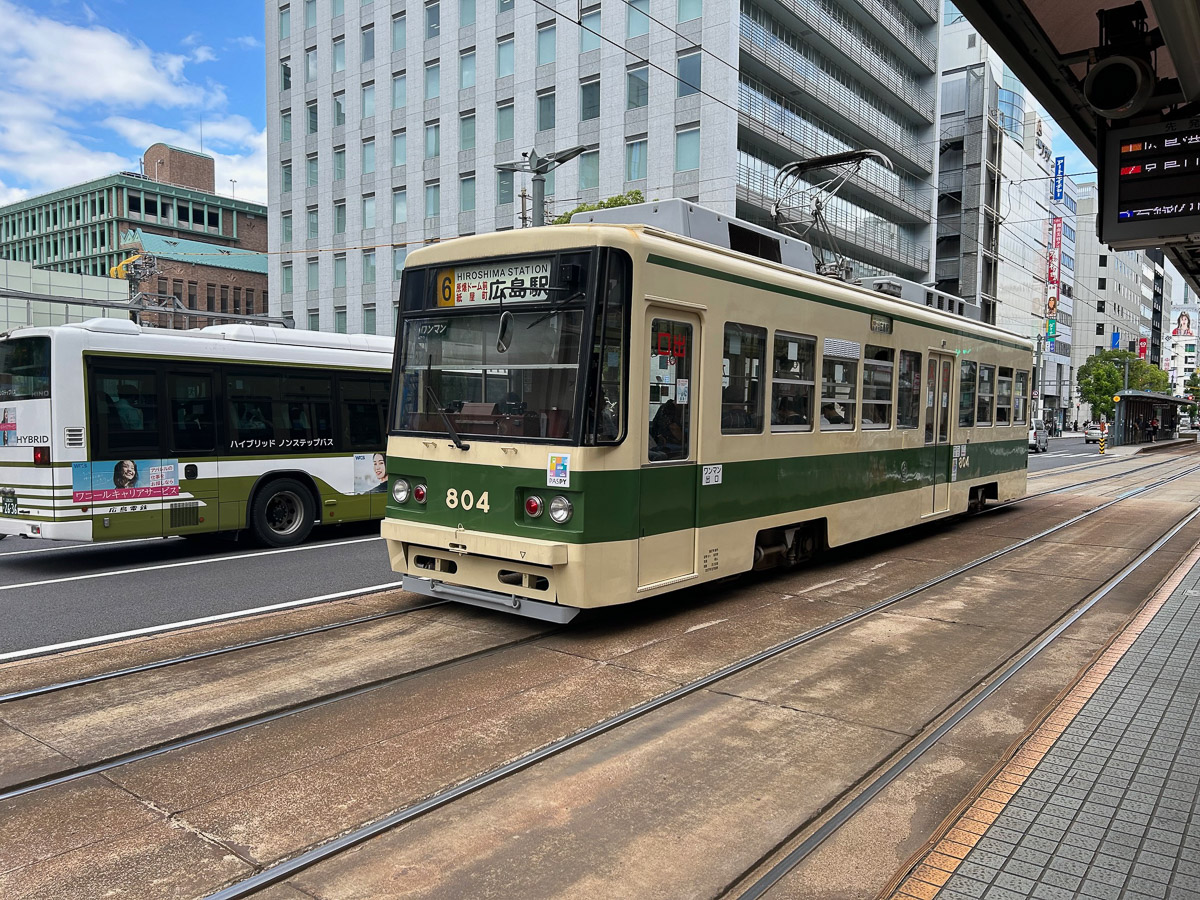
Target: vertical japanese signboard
1060	171
1053	258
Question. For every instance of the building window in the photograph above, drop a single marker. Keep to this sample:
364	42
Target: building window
399	91
466	193
1099	306
399	206
285	227
368	156
368	267
1104	260
689	74
1099	328
466	132
589	32
368	211
312	283
339	55
589	100
689	9
339	315
635	160
433	81
433	200
339	163
285	22
311	110
285	278
545	111
1101	284
339	217
399	33
589	170
310	168
687	150
339	8
637	20
466	13
399	148
466	69
399	254
339	108
339	270
546	45
310	13
285	178
314	320
637	87
368	100
433	20
285	125
504	57
504	121
433	140
313	222
504	188
310	64
285	74
369	311
368	43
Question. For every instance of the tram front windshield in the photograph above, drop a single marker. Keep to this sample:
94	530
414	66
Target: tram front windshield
452	365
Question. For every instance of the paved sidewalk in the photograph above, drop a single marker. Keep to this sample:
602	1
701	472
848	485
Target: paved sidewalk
1101	802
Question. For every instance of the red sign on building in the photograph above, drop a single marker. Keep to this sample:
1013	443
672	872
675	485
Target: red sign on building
1142	344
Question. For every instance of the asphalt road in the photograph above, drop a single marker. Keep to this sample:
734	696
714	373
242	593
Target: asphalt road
1064	451
52	593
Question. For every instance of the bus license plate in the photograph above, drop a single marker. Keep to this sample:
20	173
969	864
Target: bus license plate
10	504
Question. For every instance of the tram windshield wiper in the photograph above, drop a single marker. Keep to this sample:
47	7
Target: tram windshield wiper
556	307
437	404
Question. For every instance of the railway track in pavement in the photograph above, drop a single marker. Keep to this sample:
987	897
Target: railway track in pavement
549	749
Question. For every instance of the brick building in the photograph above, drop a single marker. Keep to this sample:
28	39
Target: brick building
90	228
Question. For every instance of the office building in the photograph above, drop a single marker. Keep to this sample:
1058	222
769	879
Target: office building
386	119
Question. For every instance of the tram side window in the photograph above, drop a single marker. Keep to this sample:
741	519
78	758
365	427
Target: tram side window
1021	398
126	404
743	363
792	382
670	390
1004	396
839	384
878	372
966	394
987	390
190	401
908	395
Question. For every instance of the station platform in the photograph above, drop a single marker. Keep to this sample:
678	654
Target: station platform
1101	800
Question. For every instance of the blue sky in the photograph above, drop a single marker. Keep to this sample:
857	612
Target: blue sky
87	86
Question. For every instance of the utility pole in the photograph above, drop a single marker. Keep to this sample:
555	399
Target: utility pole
524	210
538	166
1127	373
1037	375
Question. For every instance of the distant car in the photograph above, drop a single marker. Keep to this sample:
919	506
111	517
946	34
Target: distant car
1185	423
1092	434
1039	437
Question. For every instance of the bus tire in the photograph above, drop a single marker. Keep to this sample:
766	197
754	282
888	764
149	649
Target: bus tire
282	513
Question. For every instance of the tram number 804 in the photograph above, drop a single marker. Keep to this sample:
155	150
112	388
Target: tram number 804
467	500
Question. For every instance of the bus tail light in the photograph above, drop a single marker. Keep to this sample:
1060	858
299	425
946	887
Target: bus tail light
533	506
420	492
41	456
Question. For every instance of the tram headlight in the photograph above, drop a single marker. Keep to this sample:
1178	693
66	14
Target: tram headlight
560	510
420	492
400	491
533	506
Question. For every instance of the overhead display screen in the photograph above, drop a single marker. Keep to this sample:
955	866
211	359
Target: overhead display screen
1150	184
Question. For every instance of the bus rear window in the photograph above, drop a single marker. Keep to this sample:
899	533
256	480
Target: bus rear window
25	368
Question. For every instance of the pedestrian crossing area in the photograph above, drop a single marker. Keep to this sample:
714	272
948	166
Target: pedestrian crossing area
1066	454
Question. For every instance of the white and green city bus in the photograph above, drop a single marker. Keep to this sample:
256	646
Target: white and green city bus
110	430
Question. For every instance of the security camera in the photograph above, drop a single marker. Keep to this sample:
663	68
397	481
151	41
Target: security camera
1119	86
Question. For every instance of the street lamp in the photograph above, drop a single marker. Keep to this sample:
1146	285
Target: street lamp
539	166
232	187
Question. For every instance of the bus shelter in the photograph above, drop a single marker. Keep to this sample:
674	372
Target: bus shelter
1137	410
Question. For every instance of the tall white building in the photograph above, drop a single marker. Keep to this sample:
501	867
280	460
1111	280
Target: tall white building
386	119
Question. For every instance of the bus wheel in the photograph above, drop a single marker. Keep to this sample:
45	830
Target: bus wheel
282	514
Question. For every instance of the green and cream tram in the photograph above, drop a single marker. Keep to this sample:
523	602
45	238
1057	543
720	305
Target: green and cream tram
588	415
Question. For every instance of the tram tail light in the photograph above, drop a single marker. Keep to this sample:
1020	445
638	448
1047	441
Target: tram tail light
533	506
420	493
41	456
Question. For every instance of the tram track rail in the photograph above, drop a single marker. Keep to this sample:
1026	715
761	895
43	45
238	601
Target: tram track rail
280	871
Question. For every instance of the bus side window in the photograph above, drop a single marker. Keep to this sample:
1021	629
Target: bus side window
190	401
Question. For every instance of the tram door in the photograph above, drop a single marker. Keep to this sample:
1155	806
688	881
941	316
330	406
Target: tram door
667	517
938	373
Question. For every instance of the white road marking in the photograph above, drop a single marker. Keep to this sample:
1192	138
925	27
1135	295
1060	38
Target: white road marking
704	625
80	546
190	562
154	629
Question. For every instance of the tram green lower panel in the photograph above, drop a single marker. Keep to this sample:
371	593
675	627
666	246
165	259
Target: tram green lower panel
628	504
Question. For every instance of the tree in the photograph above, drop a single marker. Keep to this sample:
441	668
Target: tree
627	199
1190	389
1103	375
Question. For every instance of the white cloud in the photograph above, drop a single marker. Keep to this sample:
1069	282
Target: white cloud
247	42
203	54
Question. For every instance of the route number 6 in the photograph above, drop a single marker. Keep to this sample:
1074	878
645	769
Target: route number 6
467	499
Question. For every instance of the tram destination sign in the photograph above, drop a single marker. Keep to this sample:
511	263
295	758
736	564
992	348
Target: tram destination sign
1150	184
520	281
